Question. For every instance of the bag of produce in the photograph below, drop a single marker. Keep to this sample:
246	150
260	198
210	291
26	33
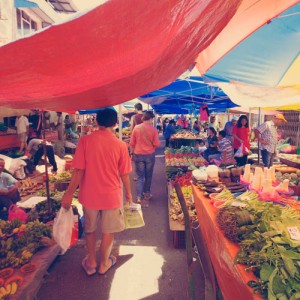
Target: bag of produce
133	216
239	152
63	228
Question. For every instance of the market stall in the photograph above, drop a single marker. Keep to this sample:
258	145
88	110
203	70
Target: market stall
251	231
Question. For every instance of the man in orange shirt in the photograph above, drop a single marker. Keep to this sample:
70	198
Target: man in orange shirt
144	140
100	163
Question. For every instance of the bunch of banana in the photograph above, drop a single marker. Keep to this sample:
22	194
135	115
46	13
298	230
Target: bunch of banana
9	289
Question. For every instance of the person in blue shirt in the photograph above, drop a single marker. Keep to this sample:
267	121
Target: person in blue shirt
9	193
170	129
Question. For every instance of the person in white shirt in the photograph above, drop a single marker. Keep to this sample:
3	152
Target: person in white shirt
36	149
266	134
22	126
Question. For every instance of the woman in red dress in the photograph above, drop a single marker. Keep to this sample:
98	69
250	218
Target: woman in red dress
241	134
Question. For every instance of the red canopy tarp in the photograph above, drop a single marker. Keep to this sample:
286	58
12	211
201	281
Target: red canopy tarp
114	53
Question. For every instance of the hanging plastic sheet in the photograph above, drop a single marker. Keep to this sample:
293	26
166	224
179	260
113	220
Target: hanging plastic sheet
104	58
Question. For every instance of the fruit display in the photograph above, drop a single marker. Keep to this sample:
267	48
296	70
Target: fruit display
9	289
186	134
292	160
184	157
125	133
294	178
20	241
29	187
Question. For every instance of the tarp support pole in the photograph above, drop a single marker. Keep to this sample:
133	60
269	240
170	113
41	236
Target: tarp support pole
120	122
45	162
259	112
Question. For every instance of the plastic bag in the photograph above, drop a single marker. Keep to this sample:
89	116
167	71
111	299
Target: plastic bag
133	216
15	212
62	228
239	152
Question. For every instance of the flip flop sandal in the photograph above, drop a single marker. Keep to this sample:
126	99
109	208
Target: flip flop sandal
113	262
88	270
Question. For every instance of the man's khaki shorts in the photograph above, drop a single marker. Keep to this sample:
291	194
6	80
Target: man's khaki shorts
111	220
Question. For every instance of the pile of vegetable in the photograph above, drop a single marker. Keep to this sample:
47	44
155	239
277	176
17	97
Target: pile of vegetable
269	239
61	177
186	134
175	212
294	178
20	241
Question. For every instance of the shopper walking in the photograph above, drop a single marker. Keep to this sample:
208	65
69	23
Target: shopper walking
241	135
267	136
144	140
22	126
169	131
137	118
101	160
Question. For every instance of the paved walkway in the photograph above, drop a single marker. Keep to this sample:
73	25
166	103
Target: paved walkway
148	266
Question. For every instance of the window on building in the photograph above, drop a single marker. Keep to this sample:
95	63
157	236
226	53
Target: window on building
25	24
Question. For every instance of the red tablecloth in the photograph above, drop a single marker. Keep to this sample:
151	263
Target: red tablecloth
232	278
9	141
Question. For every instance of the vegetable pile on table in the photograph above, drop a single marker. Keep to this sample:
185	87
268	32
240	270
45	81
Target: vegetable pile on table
20	241
175	212
269	239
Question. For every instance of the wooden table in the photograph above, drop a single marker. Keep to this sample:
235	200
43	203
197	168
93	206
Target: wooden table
9	141
232	278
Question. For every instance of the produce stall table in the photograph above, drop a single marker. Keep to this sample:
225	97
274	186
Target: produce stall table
232	278
33	281
9	141
178	142
175	226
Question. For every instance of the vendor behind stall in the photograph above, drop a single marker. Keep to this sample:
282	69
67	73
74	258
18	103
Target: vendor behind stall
9	193
36	149
212	145
226	149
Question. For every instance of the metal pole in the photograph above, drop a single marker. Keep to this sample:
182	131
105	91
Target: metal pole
188	242
45	162
258	144
120	122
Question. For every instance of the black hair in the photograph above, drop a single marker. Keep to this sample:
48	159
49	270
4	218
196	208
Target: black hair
172	122
147	115
222	133
239	122
138	106
107	117
213	130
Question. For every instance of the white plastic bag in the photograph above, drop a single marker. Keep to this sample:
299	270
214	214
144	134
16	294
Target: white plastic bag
133	216
239	152
62	228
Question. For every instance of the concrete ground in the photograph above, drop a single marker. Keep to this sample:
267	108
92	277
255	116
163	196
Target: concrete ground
148	266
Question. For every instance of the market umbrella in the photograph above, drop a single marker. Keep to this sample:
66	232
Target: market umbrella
264	69
186	96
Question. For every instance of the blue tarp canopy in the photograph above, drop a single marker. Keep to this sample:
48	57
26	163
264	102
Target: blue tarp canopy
187	96
93	111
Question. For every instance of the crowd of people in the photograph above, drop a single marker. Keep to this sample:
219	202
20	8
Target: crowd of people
232	143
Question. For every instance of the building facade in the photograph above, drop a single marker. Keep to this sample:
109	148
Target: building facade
20	18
